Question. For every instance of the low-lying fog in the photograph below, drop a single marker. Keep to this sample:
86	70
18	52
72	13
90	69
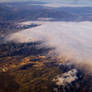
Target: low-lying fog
72	40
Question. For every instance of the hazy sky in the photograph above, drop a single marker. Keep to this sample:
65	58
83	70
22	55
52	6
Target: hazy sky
14	0
74	2
41	0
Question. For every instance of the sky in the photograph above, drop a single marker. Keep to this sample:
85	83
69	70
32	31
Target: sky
13	0
44	0
64	2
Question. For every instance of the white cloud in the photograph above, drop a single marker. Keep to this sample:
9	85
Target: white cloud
66	78
72	40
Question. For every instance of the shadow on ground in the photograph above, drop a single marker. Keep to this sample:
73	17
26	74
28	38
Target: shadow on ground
23	49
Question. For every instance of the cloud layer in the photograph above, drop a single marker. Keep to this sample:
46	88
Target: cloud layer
72	40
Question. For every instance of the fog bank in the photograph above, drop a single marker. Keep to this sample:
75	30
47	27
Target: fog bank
72	40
